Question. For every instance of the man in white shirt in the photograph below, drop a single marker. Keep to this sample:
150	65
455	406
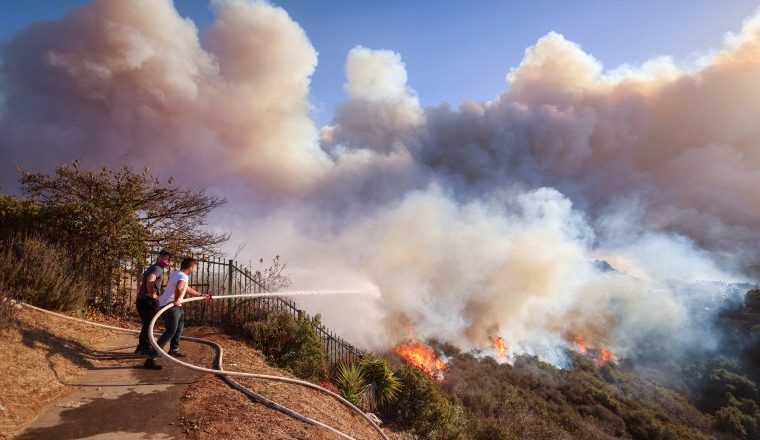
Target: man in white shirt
174	318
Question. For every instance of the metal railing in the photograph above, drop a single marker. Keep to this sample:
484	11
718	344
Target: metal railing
228	277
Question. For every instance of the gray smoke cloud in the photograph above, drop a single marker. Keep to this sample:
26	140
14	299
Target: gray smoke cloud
470	222
682	143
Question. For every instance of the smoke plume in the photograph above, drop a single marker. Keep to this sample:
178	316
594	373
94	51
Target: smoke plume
492	218
118	81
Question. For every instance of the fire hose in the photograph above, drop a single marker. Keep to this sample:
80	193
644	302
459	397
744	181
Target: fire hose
227	375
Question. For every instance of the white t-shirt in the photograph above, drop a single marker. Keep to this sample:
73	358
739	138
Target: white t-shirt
168	295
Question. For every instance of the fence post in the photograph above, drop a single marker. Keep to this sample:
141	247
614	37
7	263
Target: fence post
230	269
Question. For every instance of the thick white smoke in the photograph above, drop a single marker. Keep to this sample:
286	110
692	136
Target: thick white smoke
119	81
472	222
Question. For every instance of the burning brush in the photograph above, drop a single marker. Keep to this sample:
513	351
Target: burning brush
502	354
599	356
421	356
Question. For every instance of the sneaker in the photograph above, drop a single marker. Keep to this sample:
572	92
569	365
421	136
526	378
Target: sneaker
176	354
151	364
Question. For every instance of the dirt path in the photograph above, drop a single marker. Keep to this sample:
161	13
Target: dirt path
119	399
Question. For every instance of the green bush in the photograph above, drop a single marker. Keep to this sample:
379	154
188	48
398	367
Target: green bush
378	372
350	382
423	408
42	273
290	343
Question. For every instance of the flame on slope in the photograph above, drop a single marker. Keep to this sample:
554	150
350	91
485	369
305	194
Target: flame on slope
599	356
581	346
421	356
501	349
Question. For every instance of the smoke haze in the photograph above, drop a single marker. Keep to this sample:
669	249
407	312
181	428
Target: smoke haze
480	220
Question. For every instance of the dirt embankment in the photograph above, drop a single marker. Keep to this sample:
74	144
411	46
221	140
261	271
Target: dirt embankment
38	356
213	412
71	380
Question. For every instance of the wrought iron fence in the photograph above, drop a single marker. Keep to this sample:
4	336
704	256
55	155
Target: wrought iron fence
227	277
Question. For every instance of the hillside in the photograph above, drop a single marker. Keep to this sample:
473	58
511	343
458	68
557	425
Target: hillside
712	394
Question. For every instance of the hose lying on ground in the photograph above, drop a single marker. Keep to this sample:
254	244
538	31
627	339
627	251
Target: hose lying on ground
226	375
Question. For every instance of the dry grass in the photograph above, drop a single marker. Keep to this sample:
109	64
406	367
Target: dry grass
213	410
38	355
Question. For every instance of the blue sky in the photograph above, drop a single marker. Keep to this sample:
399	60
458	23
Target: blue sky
458	50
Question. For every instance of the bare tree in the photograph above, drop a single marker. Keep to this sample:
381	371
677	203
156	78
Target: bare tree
115	206
274	276
102	217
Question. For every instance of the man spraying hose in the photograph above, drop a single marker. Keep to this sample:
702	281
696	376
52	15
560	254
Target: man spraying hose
147	297
174	318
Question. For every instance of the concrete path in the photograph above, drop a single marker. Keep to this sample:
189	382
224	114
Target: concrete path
120	400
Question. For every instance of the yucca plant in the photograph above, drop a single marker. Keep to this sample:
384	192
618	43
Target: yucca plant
387	385
350	382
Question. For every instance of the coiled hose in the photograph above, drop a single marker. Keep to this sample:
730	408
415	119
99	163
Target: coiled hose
227	375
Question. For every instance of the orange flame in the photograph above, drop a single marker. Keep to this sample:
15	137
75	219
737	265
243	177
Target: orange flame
581	346
421	356
501	348
599	356
605	356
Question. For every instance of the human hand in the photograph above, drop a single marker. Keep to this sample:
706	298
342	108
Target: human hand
207	296
177	303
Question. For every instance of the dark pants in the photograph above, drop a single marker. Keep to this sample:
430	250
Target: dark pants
174	320
147	309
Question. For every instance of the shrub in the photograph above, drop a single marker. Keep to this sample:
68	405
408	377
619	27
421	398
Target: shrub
607	418
378	372
41	273
271	334
290	343
7	307
422	407
606	401
350	382
722	382
492	430
729	419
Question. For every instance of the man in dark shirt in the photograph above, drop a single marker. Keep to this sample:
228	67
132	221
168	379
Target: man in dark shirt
147	297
